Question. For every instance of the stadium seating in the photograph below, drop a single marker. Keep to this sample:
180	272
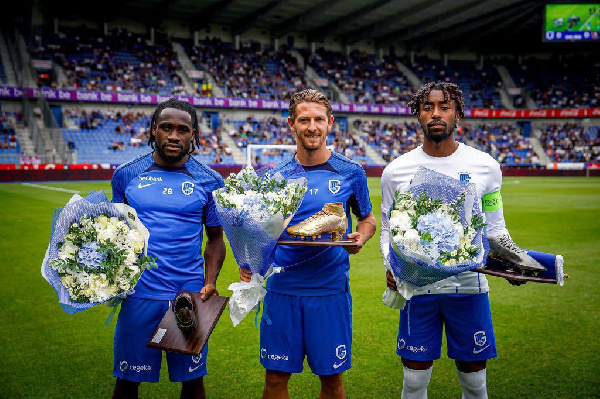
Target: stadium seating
571	142
570	83
114	139
479	85
118	61
503	142
254	71
362	77
274	131
124	61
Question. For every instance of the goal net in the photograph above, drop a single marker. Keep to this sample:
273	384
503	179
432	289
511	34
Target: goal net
263	154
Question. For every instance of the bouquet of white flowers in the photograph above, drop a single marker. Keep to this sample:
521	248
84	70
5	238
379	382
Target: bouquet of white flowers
97	252
254	211
436	229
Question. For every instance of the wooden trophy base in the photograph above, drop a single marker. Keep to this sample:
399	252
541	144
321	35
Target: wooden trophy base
324	241
495	267
169	337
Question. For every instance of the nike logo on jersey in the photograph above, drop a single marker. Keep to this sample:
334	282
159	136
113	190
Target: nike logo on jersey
338	365
140	185
476	351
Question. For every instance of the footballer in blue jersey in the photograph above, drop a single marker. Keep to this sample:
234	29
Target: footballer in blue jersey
171	193
308	307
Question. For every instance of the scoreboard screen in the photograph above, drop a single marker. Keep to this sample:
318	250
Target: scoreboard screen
572	22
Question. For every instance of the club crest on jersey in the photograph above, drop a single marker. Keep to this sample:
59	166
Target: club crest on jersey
187	187
464	177
335	186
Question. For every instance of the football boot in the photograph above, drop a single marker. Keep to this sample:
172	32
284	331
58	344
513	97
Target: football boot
331	219
184	309
503	249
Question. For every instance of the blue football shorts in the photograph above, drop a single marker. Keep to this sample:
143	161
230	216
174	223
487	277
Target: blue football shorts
134	361
466	318
318	327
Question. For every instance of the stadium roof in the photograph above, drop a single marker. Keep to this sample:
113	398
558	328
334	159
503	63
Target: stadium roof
480	25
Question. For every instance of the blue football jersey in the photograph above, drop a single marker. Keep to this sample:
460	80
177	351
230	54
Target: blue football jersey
174	204
315	271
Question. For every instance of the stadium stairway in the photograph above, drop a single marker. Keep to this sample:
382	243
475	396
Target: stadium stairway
298	58
538	148
370	152
507	80
238	155
27	74
24	140
412	78
507	83
186	65
11	79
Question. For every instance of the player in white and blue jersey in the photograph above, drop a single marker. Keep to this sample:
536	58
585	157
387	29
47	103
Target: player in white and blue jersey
308	307
171	193
458	304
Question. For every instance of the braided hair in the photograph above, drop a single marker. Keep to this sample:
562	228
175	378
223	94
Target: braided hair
449	89
183	106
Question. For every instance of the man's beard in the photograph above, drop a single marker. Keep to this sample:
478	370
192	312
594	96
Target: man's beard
439	137
310	147
172	158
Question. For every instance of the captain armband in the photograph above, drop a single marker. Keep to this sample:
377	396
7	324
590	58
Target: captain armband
491	202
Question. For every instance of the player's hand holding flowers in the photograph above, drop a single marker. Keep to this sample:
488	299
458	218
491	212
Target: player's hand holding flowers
254	211
97	252
436	229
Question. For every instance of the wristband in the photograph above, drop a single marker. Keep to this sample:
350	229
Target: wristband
371	223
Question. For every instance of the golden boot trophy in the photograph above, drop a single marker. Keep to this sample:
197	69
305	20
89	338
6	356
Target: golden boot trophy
331	219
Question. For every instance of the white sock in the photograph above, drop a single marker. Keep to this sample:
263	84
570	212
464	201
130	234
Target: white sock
473	384
415	383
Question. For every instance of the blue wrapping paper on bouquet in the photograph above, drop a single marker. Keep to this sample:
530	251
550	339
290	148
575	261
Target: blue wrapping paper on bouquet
254	210
554	265
436	229
97	252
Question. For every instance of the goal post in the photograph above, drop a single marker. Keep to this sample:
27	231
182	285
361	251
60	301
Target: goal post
253	148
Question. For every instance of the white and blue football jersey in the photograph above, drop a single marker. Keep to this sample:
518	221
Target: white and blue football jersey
174	204
311	270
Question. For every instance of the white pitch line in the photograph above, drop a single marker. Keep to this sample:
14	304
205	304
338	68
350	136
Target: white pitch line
587	20
50	188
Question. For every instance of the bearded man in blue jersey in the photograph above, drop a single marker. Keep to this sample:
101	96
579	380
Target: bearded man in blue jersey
308	307
171	192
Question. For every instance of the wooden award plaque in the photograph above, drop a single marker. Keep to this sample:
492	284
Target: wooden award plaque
318	242
498	268
169	337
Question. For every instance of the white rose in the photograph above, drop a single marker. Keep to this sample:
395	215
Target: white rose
237	200
398	238
400	221
136	241
68	250
411	234
395	213
67	281
102	220
130	258
108	234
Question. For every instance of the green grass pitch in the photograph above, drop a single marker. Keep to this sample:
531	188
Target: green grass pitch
547	335
565	11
